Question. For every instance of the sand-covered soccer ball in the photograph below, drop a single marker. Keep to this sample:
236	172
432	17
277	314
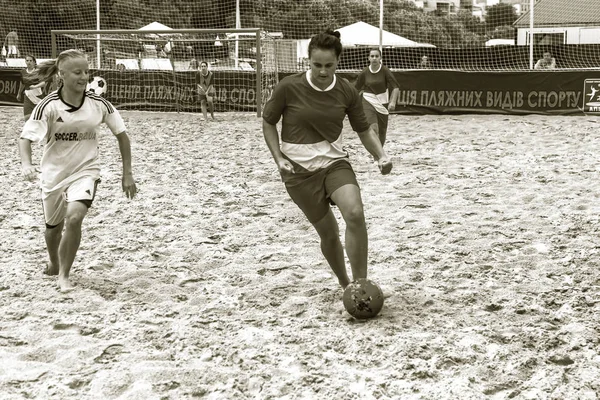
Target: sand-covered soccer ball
363	299
97	85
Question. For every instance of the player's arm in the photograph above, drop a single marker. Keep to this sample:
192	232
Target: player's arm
128	182
20	91
370	141
29	171
393	83
360	81
272	139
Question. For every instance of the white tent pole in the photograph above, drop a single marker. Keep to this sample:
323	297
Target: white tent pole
238	25
381	27
98	35
531	33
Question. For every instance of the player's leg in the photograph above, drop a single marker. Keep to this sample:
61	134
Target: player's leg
79	197
311	197
331	246
27	107
211	106
203	106
53	236
372	116
349	202
76	212
345	193
54	206
382	126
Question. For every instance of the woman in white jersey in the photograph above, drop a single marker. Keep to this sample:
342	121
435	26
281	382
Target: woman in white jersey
375	81
67	121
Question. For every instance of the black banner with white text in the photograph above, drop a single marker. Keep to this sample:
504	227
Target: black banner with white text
421	92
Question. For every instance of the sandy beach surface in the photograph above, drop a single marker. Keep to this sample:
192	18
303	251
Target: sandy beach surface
210	284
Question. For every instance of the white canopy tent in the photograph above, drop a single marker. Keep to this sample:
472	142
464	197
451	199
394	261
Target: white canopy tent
363	34
153	61
155	26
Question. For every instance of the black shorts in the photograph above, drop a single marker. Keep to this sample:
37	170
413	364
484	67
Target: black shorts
313	192
375	118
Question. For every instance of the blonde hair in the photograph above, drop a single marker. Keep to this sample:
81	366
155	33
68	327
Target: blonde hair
47	69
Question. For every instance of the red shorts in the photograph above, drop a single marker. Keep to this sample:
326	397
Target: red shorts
312	193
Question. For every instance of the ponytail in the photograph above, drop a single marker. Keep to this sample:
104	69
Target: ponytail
48	69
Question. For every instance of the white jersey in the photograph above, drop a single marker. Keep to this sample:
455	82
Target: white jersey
70	137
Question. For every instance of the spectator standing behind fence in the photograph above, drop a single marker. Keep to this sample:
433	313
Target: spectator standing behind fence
31	87
424	63
194	64
375	82
547	62
11	44
206	89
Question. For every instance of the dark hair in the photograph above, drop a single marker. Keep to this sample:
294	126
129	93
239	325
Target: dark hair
328	40
375	49
204	62
32	57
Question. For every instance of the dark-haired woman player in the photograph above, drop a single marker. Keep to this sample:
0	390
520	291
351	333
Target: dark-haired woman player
311	161
375	82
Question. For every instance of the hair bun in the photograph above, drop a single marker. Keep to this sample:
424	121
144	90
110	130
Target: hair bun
333	33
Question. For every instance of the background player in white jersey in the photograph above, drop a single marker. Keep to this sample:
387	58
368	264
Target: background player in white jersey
68	122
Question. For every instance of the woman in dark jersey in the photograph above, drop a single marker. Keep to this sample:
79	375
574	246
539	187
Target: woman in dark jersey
31	90
310	158
375	82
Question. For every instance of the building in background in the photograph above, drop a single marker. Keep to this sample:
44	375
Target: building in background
561	22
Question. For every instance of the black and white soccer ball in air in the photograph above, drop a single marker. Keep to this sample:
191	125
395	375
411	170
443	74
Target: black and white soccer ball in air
97	86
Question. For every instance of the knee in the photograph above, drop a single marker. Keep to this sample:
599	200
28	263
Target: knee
355	216
74	220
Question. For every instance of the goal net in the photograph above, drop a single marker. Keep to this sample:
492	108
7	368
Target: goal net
157	68
464	35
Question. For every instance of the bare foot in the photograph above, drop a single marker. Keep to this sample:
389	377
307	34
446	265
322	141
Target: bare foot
50	269
65	284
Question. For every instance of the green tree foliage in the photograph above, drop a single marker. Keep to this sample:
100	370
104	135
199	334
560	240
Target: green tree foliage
500	15
296	19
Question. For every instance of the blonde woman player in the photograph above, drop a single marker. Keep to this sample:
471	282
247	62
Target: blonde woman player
67	121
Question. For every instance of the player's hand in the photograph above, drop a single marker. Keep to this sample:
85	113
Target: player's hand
385	165
285	167
391	107
30	172
129	186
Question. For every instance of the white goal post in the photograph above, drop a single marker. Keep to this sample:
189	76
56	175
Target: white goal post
154	69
